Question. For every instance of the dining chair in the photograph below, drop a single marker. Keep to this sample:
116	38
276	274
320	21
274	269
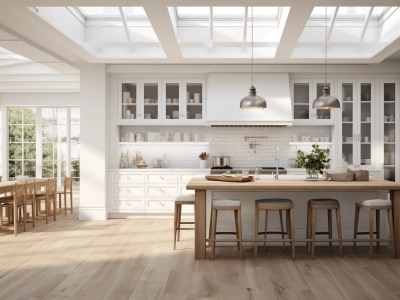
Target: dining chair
19	205
7	203
46	191
64	191
30	199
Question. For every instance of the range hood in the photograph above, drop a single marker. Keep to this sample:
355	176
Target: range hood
225	90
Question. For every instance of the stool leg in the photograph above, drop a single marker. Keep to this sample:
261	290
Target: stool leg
339	231
213	231
265	230
237	228
256	214
175	223
240	232
179	221
378	227
371	231
391	230
291	212
308	228
330	227
282	230
313	229
356	220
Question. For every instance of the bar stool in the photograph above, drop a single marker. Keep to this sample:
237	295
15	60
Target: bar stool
233	205
185	199
374	205
312	208
275	205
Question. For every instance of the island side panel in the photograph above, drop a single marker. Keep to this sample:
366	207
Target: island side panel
396	221
200	224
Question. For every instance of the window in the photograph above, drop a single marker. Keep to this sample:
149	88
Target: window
44	142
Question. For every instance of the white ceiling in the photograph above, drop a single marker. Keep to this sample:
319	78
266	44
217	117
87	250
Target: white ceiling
61	34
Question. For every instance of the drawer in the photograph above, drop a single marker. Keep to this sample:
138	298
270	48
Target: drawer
133	178
164	191
118	191
127	204
161	177
186	177
160	205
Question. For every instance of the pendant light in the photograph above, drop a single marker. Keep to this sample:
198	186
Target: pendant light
326	101
252	101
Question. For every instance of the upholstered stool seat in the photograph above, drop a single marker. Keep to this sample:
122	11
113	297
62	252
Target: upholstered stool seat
374	205
226	205
184	199
275	204
330	205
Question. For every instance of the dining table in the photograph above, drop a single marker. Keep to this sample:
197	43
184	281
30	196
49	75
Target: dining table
201	186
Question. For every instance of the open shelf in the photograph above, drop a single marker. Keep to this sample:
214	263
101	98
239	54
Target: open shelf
165	143
309	143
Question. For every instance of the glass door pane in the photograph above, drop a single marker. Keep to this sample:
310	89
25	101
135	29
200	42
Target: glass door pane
129	101
389	127
194	101
347	122
301	100
322	113
365	134
172	101
151	101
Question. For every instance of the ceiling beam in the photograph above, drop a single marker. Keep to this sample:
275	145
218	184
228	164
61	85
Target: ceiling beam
245	20
366	21
160	19
332	23
211	28
123	17
295	22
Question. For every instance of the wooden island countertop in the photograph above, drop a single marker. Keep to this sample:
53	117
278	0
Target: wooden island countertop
202	185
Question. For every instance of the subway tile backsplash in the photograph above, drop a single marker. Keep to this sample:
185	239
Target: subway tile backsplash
231	141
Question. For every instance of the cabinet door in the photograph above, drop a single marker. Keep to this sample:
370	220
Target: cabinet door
151	101
301	95
128	92
365	105
192	102
389	115
347	134
172	99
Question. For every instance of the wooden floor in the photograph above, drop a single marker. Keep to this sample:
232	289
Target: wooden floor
133	259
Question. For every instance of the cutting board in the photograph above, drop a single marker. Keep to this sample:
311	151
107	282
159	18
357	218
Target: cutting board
229	178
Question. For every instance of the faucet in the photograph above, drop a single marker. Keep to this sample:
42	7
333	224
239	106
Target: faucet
277	164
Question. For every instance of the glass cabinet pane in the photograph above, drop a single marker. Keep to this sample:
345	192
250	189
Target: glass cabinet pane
365	133
129	101
172	101
150	106
322	113
389	127
347	122
194	101
301	98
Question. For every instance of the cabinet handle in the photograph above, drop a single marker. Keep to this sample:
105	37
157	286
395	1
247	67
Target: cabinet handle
162	191
162	178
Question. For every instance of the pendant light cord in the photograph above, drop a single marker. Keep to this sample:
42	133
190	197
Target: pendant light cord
252	47
326	45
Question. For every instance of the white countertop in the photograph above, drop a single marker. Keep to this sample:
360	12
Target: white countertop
161	170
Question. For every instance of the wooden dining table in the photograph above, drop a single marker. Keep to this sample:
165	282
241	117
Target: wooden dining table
202	185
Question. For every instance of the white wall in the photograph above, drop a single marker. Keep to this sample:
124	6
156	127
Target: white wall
27	99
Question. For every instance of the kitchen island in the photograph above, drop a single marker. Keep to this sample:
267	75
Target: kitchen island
202	186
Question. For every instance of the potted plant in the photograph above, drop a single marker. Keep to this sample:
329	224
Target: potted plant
315	162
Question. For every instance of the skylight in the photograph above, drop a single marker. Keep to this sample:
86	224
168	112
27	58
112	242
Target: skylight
111	12
7	54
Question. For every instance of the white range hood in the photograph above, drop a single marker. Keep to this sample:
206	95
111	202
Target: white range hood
225	90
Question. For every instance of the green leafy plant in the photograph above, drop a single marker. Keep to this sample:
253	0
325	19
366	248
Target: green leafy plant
315	162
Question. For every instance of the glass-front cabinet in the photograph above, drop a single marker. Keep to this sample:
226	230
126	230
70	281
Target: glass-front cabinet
184	101
304	92
139	101
357	132
389	129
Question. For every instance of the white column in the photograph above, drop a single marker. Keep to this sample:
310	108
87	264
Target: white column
93	189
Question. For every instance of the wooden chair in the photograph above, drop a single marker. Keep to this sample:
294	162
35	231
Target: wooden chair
232	205
30	199
66	190
312	207
7	204
185	199
19	205
275	205
46	191
374	205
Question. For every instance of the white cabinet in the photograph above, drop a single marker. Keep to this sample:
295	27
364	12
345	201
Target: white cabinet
184	101
139	102
151	191
389	128
304	92
157	102
357	135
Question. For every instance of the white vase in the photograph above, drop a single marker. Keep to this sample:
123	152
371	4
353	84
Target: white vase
203	164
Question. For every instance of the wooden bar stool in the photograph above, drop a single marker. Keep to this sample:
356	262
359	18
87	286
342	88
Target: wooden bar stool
233	205
275	205
185	199
374	205
312	208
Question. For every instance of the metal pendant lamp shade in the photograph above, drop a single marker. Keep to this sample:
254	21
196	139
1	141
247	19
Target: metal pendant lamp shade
252	101
326	100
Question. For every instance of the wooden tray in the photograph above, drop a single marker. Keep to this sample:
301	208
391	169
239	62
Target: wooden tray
230	178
